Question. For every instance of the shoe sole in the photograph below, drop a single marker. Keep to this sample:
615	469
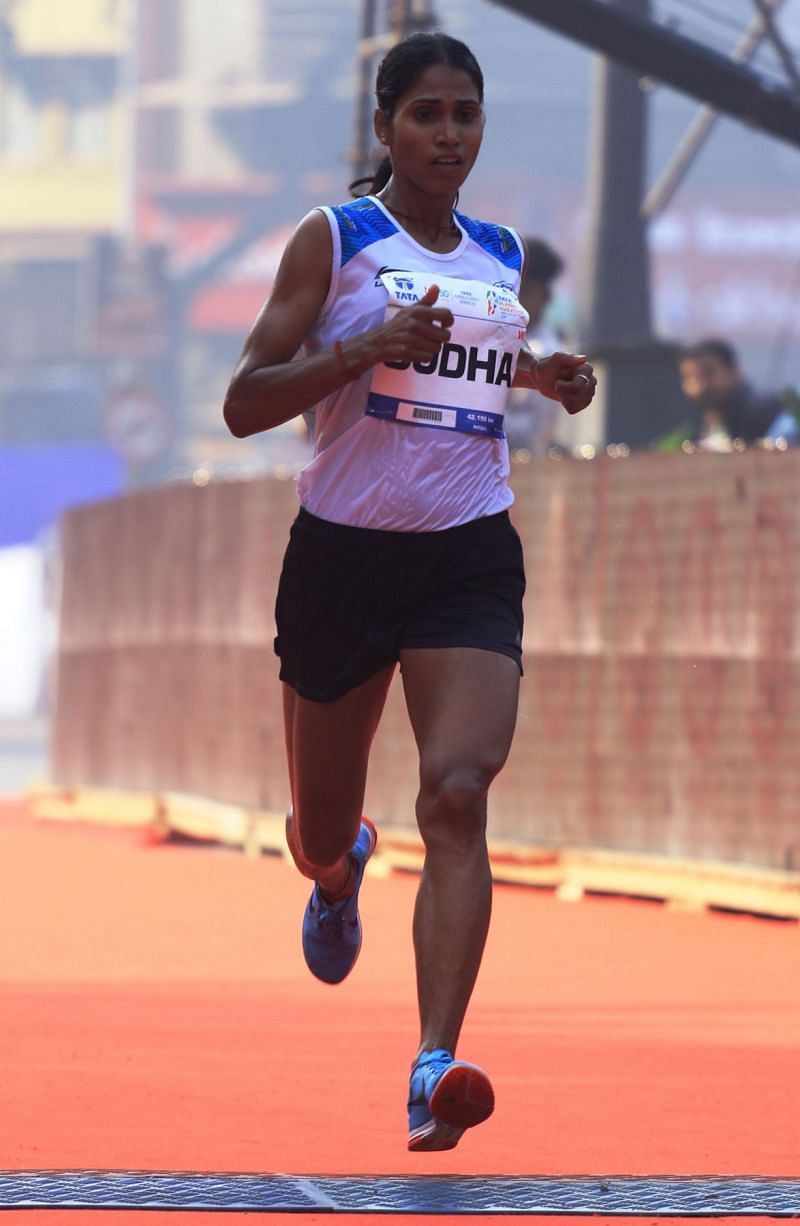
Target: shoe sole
463	1097
433	1137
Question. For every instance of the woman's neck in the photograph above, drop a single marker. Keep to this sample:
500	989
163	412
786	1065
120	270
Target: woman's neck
430	218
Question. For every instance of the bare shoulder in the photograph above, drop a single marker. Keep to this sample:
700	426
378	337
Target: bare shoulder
310	249
298	295
313	235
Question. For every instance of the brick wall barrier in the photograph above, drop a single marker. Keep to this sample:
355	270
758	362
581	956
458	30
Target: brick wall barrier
660	710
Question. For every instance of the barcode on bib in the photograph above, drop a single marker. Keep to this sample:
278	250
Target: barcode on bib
426	415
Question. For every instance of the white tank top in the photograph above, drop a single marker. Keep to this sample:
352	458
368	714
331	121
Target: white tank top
371	472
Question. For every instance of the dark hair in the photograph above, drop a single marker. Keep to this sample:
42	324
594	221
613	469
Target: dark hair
543	263
397	72
712	347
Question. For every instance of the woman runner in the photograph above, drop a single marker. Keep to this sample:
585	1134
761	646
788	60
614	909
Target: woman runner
394	319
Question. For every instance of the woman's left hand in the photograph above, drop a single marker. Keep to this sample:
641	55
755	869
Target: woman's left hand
568	378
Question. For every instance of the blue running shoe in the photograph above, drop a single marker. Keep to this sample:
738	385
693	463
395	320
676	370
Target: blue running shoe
445	1097
332	930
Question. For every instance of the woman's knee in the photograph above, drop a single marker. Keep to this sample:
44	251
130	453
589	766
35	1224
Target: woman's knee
452	802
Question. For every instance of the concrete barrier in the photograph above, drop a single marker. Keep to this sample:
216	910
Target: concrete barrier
659	710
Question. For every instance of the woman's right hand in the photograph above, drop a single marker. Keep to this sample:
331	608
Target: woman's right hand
416	333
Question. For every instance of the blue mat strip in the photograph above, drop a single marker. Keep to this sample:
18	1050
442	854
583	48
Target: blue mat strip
418	1194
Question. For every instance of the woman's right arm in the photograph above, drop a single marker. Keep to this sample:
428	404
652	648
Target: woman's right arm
268	388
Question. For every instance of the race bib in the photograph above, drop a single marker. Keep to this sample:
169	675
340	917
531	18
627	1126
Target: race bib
465	386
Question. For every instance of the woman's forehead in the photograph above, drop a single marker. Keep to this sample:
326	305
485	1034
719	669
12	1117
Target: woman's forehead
442	81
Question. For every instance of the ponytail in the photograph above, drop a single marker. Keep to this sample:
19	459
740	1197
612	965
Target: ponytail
378	179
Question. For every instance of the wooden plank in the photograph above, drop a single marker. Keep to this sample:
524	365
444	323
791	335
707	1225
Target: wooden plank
572	872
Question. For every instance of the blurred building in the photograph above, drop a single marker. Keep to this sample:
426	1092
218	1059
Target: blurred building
234	122
138	146
62	127
82	342
63	193
154	159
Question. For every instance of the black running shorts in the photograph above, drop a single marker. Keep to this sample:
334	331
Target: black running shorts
351	599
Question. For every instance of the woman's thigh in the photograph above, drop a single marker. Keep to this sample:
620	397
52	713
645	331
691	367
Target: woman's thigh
462	703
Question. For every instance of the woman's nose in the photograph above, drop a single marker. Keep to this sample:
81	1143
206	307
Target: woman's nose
448	133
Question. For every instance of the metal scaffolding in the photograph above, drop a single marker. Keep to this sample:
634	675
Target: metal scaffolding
382	25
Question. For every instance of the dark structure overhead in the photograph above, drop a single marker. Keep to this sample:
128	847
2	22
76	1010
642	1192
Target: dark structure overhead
655	51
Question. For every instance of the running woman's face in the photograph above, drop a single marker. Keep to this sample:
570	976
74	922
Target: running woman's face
436	131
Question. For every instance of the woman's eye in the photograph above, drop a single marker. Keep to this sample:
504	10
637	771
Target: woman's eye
423	115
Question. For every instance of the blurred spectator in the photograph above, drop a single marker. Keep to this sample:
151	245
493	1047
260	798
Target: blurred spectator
531	418
726	405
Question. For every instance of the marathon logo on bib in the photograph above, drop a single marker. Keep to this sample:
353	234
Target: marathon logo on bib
465	386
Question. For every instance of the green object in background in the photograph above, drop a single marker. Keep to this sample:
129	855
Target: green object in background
791	402
674	439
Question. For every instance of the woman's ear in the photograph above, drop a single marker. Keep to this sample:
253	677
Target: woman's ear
380	123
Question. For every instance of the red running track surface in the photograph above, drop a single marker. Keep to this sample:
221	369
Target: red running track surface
157	1015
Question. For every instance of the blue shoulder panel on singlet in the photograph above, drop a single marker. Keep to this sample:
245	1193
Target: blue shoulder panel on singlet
361	223
495	239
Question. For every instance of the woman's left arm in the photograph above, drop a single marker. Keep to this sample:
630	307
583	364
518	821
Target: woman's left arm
565	377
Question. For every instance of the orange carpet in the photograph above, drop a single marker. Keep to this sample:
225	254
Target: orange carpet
157	1015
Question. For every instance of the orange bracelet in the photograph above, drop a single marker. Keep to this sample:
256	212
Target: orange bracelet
351	374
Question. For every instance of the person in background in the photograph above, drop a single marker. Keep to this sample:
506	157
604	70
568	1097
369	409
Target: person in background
530	417
727	406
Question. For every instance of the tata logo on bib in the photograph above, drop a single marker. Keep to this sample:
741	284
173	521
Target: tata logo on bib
404	290
457	362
